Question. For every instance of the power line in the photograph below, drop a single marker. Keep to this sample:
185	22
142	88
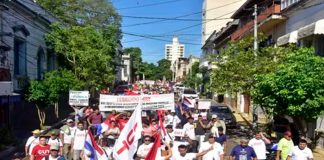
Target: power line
148	5
172	19
186	15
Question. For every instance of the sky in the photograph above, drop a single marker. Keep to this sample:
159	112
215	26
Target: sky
152	37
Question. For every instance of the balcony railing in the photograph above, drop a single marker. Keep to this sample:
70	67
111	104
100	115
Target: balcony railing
274	9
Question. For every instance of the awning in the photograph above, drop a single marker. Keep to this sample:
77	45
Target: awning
287	38
312	29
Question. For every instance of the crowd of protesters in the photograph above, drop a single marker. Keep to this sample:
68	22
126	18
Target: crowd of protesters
202	139
199	138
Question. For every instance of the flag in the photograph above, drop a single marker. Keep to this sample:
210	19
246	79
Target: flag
155	151
92	149
101	128
127	142
161	125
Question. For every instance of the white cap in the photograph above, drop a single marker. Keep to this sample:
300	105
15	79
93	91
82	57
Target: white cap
69	120
214	116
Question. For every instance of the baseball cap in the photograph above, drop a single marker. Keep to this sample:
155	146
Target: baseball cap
54	147
54	132
214	116
168	126
36	131
69	121
211	135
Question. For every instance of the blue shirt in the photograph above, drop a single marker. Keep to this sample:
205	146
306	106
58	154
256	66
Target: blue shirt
243	153
221	139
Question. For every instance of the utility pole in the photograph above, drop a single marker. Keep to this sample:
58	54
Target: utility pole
255	47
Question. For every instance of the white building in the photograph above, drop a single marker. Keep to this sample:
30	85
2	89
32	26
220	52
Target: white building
174	51
126	68
216	14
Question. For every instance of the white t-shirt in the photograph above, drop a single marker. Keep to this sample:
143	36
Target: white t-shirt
79	139
213	154
168	120
68	135
188	156
144	149
189	130
259	148
55	142
297	154
175	146
176	120
32	141
169	137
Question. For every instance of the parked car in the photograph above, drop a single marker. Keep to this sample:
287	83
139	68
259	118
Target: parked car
190	93
223	112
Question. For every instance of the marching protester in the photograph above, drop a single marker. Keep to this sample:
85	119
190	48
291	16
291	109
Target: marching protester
54	140
95	117
183	155
199	129
243	151
113	131
41	150
143	149
258	143
222	138
285	146
300	152
66	137
54	154
78	140
169	138
216	152
32	142
189	131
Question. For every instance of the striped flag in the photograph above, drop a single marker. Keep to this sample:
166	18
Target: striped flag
101	128
155	151
92	149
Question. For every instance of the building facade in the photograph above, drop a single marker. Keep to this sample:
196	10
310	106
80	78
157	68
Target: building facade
216	14
175	50
126	68
24	56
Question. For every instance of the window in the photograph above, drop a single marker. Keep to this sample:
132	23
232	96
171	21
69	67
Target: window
20	59
40	63
287	3
50	61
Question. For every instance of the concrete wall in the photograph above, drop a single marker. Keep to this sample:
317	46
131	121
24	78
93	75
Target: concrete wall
217	9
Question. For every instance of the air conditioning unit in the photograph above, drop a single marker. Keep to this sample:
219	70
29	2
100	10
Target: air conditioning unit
6	88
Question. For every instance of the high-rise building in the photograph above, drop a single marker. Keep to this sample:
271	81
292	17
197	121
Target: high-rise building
216	14
174	51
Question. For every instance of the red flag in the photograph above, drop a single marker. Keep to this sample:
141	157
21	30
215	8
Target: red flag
161	125
155	152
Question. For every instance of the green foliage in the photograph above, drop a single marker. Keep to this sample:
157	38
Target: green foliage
55	83
86	51
136	56
237	66
296	87
192	80
164	70
99	13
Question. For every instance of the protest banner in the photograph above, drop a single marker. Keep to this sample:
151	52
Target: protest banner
178	132
148	102
204	104
79	98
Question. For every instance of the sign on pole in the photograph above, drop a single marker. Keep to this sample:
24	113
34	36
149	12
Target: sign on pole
204	104
149	102
79	98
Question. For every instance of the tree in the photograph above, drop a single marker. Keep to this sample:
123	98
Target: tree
98	13
192	79
164	69
237	66
86	52
47	92
136	56
295	88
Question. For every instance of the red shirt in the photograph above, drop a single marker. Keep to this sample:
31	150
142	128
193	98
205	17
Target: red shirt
95	118
122	123
41	151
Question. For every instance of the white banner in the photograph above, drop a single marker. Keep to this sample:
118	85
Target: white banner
79	98
126	145
149	102
203	114
178	132
204	104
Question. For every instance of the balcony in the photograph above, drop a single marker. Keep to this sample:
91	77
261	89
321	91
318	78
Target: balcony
263	16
